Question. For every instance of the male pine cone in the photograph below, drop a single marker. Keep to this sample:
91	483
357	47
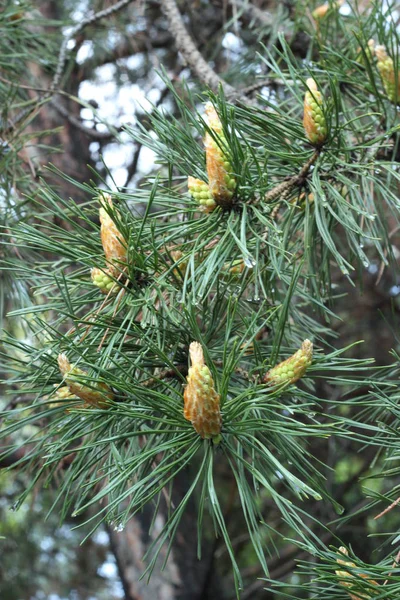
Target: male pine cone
201	192
114	245
349	580
201	401
221	181
385	65
293	368
96	394
314	119
103	281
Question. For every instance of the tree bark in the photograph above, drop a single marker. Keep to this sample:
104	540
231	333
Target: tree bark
184	577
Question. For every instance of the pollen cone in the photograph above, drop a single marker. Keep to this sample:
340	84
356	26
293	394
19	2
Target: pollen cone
221	180
114	244
201	401
103	280
293	368
96	394
387	71
314	119
349	580
201	193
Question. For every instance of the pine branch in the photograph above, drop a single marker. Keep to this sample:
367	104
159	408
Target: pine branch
140	43
283	190
62	59
91	20
89	131
194	59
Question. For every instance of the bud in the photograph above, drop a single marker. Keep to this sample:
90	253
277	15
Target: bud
201	401
293	368
201	192
181	267
369	52
103	281
348	582
95	394
387	72
303	200
234	269
63	393
314	119
113	243
321	11
222	182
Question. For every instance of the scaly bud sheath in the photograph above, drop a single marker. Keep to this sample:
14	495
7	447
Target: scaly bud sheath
95	394
349	578
387	72
221	180
201	192
113	243
322	10
103	281
201	401
314	119
293	368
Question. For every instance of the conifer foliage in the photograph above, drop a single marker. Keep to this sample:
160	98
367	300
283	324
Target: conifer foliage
186	326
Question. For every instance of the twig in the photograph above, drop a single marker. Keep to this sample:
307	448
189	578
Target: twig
264	17
271	82
194	58
387	509
134	164
62	58
167	374
394	565
282	190
93	133
63	54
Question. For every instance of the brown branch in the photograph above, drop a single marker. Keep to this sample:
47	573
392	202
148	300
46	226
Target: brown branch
63	54
282	190
388	509
264	17
134	164
11	460
140	43
77	123
167	374
194	58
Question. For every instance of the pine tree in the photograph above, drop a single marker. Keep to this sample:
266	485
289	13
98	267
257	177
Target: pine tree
172	352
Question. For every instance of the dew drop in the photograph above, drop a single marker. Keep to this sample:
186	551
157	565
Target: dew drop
249	262
119	528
